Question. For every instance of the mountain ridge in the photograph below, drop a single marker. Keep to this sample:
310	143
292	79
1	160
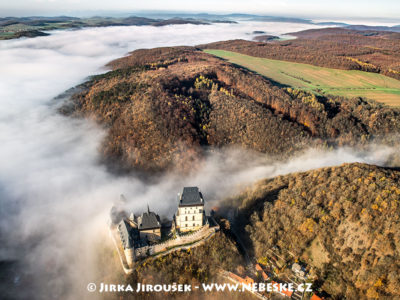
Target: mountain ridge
162	106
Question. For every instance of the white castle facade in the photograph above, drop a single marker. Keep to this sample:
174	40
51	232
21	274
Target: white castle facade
190	215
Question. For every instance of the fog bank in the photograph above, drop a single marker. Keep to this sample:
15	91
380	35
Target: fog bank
55	196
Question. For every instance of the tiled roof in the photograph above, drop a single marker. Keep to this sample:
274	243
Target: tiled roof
149	220
191	196
125	233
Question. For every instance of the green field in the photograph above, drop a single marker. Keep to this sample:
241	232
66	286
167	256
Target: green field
318	79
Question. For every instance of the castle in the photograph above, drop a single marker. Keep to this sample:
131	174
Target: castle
144	235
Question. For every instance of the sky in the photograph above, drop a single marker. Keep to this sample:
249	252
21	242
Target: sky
303	8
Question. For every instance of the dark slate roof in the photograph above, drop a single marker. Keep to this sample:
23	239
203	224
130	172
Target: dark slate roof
125	233
149	220
191	196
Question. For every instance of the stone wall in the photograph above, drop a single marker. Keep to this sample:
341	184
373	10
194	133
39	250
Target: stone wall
192	237
130	258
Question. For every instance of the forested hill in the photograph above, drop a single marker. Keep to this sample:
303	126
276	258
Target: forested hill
14	27
164	106
341	48
343	222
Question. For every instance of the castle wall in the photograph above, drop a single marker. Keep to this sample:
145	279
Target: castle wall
202	233
130	256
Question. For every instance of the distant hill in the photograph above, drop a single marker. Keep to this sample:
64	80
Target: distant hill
30	33
35	21
395	28
12	27
331	23
265	38
340	32
232	17
93	21
165	107
343	222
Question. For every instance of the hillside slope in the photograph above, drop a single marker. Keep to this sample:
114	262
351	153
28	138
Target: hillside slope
194	266
164	106
320	80
344	222
341	48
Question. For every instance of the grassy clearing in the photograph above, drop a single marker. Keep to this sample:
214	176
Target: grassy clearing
318	79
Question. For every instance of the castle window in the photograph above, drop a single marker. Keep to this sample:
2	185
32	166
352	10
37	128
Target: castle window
186	218
200	210
193	218
194	224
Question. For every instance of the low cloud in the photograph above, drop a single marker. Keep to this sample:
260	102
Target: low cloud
54	195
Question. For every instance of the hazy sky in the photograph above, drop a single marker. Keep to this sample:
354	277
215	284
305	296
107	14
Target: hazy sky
310	8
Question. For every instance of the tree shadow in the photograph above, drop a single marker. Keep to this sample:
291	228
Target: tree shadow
244	215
